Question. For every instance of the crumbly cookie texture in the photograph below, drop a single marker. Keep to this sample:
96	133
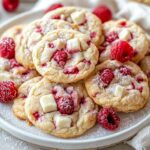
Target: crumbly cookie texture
32	34
19	102
10	70
122	86
48	105
15	33
145	66
87	22
126	31
65	56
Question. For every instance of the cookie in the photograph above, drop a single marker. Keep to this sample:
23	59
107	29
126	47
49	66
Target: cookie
61	110
32	34
126	31
15	33
19	102
65	56
122	86
87	22
145	66
11	70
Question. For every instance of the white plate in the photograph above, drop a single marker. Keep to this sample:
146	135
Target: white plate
96	137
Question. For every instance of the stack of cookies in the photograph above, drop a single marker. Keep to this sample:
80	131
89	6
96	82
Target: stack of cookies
69	69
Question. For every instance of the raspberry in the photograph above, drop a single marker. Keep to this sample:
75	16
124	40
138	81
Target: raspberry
103	13
7	48
36	115
65	105
60	57
139	79
14	63
106	76
74	70
111	37
39	29
124	70
108	119
121	51
8	91
92	35
123	23
10	5
53	7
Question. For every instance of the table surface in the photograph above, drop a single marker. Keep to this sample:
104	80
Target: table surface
7	141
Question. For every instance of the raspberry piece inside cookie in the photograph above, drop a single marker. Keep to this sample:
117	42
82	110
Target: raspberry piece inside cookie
106	76
7	48
111	37
103	13
108	119
65	105
60	57
121	51
14	63
8	91
124	70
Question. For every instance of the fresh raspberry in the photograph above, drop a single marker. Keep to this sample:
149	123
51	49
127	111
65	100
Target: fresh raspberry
10	5
108	119
111	37
121	51
60	57
106	76
65	105
7	48
53	7
103	13
74	70
36	115
14	63
8	91
124	70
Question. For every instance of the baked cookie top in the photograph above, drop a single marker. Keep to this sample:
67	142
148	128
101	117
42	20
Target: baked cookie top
60	109
122	86
86	22
65	56
19	102
127	31
32	34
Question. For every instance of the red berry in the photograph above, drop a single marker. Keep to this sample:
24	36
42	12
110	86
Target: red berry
121	51
60	57
53	7
73	70
7	48
106	76
65	105
108	119
111	37
14	63
8	91
124	70
139	79
92	35
103	13
10	5
36	115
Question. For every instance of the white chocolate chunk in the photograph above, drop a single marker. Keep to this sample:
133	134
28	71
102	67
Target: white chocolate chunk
62	121
78	17
73	44
48	103
125	35
59	43
119	91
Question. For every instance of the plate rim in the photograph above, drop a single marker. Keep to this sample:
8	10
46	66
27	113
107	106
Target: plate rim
63	143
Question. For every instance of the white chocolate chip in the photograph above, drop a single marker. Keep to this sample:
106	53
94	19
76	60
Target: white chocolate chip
48	103
62	121
78	17
73	44
59	44
125	35
119	91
